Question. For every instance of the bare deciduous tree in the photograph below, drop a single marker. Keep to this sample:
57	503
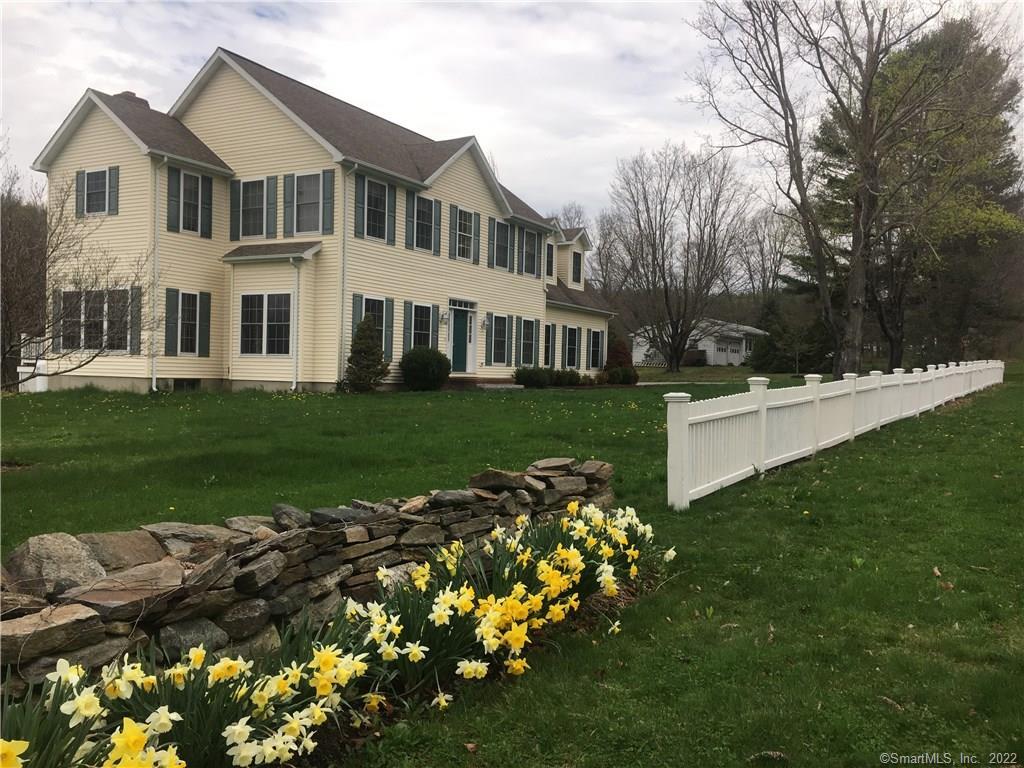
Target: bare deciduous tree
570	215
760	263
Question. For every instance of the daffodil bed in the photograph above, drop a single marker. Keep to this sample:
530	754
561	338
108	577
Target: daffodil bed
466	616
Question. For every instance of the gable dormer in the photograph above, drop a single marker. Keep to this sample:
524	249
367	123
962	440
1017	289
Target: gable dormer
571	257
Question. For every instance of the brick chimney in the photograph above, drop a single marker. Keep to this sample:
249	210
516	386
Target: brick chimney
130	96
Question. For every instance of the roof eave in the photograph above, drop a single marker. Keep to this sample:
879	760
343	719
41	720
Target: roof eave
357	164
492	181
220	171
581	308
75	117
305	255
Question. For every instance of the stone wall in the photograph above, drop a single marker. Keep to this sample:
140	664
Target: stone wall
93	597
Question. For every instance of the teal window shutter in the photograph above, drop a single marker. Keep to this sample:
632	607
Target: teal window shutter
511	247
392	204
206	209
389	328
521	252
204	324
437	227
590	340
554	344
327	202
270	214
491	225
173	198
600	349
236	208
536	344
357	311
508	339
406	326
453	230
490	337
565	345
410	219
435	316
113	176
56	321
171	323
289	204
537	257
476	238
79	194
135	321
360	214
579	353
519	340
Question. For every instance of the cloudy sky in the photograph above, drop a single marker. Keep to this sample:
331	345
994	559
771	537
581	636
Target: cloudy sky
555	93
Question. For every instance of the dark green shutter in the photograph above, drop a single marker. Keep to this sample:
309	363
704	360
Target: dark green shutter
435	316
511	260
565	345
406	326
579	343
173	198
56	321
135	313
554	344
236	208
518	341
79	194
508	339
360	214
270	214
289	204
389	328
490	338
590	339
113	174
206	209
538	257
536	343
204	324
410	219
521	250
327	204
600	350
476	238
392	204
491	227
437	227
171	323
453	230
357	311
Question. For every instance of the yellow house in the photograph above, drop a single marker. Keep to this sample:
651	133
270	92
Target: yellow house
272	218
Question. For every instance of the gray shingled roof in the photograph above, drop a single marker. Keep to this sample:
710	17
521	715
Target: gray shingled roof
571	233
587	299
276	250
158	131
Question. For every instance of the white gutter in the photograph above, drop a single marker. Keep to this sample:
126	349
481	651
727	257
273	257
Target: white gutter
343	285
296	262
156	275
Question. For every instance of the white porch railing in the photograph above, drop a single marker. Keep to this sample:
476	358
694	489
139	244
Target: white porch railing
717	442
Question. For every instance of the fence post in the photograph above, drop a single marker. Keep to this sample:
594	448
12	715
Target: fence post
917	392
813	381
899	372
878	397
678	429
852	378
759	386
931	386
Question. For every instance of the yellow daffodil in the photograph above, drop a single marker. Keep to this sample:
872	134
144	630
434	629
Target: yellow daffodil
128	740
415	652
10	751
441	701
373	702
196	656
162	720
471	669
388	651
670	555
614	629
85	705
572	507
66	672
516	666
237	733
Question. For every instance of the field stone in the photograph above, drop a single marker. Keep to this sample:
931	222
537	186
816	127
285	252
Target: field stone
257	574
90	656
133	593
359	550
325	563
455	517
562	463
52	563
60	628
318	611
206	574
592	469
188	541
259	646
533	484
328	515
422	534
204	604
605	499
372	562
483	493
15	604
476	525
452	498
175	639
289	517
249	523
568	485
498	480
414	505
118	550
245	618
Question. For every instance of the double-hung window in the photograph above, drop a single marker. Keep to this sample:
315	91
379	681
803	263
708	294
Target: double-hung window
188	323
421	325
190	201
549	345
595	349
529	352
530	253
577	267
464	249
549	268
266	323
96	191
572	348
500	340
307	203
501	248
375	308
95	320
424	224
376	209
253	202
748	345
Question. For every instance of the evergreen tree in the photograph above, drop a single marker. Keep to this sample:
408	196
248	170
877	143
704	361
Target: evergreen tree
366	367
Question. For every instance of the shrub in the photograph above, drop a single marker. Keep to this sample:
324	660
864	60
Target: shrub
569	377
424	368
586	380
619	354
695	358
624	375
366	367
533	378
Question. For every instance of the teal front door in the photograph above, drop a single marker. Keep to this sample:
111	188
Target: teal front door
460	338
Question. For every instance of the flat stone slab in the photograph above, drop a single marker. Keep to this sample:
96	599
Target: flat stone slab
289	517
52	630
453	498
568	484
245	618
15	604
260	572
52	563
422	534
133	593
592	469
328	515
204	575
498	480
561	463
119	550
177	638
187	541
261	645
250	523
91	656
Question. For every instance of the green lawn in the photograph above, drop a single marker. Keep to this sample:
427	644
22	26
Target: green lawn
803	615
716	374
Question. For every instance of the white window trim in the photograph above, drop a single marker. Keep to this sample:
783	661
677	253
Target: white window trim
572	259
199	212
384	327
366	207
508	245
292	325
181	293
522	336
106	322
319	204
106	192
494	340
458	232
241	209
430	328
415	223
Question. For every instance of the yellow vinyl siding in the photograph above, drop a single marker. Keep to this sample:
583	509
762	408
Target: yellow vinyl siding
121	241
276	277
562	316
256	139
563	264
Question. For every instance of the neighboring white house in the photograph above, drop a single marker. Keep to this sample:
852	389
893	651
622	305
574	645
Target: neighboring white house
724	343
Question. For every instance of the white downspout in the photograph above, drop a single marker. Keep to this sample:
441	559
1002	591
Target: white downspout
298	326
344	270
156	276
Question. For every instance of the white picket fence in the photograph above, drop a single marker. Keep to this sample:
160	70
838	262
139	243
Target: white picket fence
717	442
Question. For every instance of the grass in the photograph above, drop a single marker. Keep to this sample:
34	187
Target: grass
803	615
715	374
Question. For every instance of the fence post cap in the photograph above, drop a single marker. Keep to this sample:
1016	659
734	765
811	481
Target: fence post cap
918	370
952	364
942	366
812	377
677	397
931	366
848	376
879	373
758	381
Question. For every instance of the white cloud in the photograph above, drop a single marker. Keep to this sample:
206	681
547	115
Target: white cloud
555	93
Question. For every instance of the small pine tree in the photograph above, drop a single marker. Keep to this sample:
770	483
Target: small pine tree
619	354
366	367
